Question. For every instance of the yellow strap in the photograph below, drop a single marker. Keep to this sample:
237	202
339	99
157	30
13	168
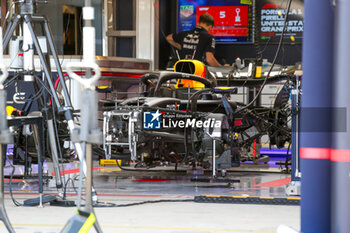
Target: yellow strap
87	225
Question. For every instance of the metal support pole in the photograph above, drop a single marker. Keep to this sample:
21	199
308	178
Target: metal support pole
10	31
295	161
38	132
5	138
316	103
89	64
28	51
89	204
88	176
3	214
340	155
54	152
58	65
214	157
8	26
295	135
88	21
294	187
88	133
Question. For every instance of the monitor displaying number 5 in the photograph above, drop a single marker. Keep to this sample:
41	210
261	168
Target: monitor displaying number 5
222	14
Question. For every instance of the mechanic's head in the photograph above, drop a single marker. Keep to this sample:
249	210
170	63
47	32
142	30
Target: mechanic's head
206	21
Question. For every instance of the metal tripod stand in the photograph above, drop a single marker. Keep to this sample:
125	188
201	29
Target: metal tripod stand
5	138
27	19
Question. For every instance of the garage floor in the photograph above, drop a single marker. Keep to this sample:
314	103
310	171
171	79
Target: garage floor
122	187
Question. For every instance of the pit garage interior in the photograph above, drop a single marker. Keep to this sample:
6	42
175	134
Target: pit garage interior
104	127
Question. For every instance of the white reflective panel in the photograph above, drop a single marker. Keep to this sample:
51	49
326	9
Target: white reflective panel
145	29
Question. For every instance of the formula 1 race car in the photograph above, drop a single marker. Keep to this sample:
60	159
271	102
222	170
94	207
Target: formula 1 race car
184	117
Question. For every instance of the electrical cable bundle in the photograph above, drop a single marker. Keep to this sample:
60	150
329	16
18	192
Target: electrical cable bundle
259	52
273	62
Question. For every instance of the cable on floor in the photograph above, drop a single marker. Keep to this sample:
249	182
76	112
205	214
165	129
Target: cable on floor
154	202
10	186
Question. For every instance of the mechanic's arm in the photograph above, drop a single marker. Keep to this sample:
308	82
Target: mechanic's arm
172	42
211	60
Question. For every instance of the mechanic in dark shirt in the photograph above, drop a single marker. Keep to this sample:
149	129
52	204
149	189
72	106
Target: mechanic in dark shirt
197	43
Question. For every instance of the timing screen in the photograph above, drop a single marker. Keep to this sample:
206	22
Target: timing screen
229	20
